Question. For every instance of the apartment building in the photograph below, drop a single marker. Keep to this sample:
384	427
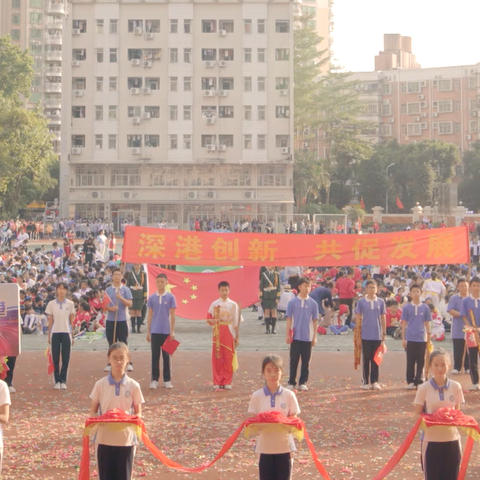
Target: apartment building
177	110
37	25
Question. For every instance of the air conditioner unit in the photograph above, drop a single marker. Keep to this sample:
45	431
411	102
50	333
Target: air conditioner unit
135	91
468	137
435	104
75	63
222	33
222	93
138	31
222	64
250	194
285	150
76	151
75	31
135	62
146	115
210	64
211	194
97	194
222	148
136	151
421	97
192	194
211	148
417	119
78	93
149	36
424	115
147	64
391	120
210	121
127	195
423	83
209	93
283	93
146	91
136	120
435	114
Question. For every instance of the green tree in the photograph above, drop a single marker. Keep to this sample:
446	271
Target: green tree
468	188
16	70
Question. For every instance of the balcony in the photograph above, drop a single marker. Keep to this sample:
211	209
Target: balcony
53	56
53	22
56	134
52	103
54	119
53	72
53	40
53	87
56	7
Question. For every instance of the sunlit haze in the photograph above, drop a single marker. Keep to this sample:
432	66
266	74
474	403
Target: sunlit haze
444	33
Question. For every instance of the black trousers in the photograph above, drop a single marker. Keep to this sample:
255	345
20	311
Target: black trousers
115	463
11	365
458	349
415	357
121	334
473	357
277	466
157	340
442	460
349	302
370	368
299	350
61	342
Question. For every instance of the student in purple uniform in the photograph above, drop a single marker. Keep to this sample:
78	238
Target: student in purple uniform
160	325
370	310
458	335
302	318
416	319
471	305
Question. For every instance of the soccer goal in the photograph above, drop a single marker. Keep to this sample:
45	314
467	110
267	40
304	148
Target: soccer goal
292	223
330	223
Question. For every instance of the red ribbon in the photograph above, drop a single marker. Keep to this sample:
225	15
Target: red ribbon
119	416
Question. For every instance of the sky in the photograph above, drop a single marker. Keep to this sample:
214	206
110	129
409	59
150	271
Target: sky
444	32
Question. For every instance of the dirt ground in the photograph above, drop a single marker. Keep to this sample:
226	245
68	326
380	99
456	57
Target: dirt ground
355	432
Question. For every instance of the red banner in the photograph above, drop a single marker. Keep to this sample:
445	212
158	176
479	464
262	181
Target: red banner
178	247
195	292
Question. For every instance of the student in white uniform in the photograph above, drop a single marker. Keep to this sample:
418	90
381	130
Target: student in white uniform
4	414
274	448
441	448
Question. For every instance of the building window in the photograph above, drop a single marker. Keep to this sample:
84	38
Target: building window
226	25
282	26
112	112
78	141
386	109
99	26
261	25
282	83
445	106
386	130
236	176
199	176
247	84
134	111
135	26
187	84
78	111
35	17
209	54
15	34
36	3
134	82
134	141
413	87
187	26
445	85
173	84
261	142
456	84
261	83
113	27
208	140
152	141
80	25
112	84
173	142
473	126
79	83
225	112
444	128
174	26
226	140
153	111
386	89
282	54
98	112
209	112
99	142
209	26
225	54
89	175
113	55
187	142
187	55
153	83
99	55
414	129
16	19
247	55
35	33
125	177
112	142
247	142
282	112
403	108
458	106
187	112
247	25
247	112
261	55
272	176
262	112
174	55
15	3
173	115
457	127
413	108
282	141
226	83
164	177
99	84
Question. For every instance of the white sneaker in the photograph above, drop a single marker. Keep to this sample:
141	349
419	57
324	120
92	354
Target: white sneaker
153	385
467	371
216	387
11	389
168	385
129	367
376	386
411	386
63	386
303	387
366	386
57	386
227	387
455	371
290	387
474	387
108	368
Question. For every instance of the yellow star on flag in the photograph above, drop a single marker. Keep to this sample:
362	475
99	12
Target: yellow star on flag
194	287
184	301
193	297
169	287
186	280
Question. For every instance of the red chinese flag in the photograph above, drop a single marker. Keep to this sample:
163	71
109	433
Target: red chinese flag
106	301
195	292
362	204
399	204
